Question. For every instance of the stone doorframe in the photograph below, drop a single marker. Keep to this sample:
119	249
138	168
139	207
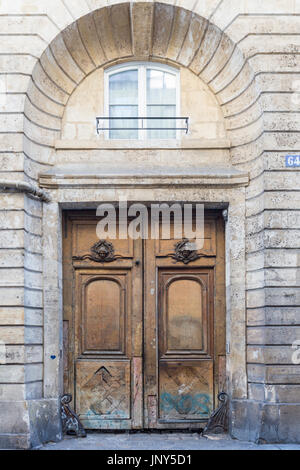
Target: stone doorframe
230	197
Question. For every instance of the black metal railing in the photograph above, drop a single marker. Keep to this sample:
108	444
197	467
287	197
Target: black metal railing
140	124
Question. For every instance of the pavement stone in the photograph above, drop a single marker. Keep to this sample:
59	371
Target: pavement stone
159	441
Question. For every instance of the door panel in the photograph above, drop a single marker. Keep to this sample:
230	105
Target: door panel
186	390
144	328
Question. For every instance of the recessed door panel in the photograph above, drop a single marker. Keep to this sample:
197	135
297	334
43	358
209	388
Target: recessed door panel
102	392
184	315
186	391
103	315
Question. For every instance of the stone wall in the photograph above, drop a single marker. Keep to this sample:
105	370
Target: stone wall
247	53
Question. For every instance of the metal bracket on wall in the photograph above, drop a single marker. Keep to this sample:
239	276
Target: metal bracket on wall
70	422
218	421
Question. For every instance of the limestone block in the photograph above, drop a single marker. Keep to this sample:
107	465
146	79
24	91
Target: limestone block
281	121
33	225
281	258
11	239
276	335
269	354
282	277
88	33
278	6
12	219
241	102
255	261
15	83
221	56
121	24
33	372
279	102
241	82
77	9
31	45
105	33
34	390
11	63
255	280
255	224
33	261
11	316
48	87
282	200
282	296
33	280
282	393
162	27
192	40
142	21
256	298
39	153
11	122
224	14
40	134
261	25
11	161
256	316
33	334
12	277
14	354
232	68
11	258
246	134
277	82
283	374
255	188
58	13
55	73
281	181
287	238
282	315
204	9
33	317
41	118
11	142
14	104
12	334
204	54
12	392
33	298
26	24
275	63
256	391
33	354
279	219
11	374
75	47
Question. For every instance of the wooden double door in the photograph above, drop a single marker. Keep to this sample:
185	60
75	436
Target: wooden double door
144	327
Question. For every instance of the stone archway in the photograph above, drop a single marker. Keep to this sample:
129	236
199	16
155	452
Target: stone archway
143	31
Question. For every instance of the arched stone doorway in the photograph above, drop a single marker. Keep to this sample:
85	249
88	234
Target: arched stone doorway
142	31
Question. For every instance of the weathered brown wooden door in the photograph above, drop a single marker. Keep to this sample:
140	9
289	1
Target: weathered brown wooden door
144	327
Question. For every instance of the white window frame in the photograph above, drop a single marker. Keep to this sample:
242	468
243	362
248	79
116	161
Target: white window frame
142	89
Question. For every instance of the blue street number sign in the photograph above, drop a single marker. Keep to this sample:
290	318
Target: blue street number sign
292	161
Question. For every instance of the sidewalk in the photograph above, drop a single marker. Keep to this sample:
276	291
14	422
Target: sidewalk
159	441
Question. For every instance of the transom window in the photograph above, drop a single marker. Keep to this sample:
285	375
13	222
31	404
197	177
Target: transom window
139	100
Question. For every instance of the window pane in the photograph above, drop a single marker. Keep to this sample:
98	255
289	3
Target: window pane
161	111
161	87
123	88
123	124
